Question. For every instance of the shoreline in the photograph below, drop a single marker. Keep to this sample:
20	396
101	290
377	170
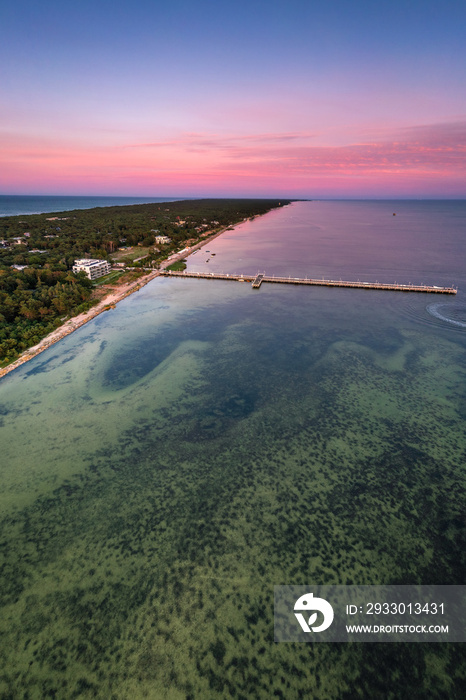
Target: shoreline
105	304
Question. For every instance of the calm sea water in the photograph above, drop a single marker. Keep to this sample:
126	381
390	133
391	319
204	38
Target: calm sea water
13	205
170	462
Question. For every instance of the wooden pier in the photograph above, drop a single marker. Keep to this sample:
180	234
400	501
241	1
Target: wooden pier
256	281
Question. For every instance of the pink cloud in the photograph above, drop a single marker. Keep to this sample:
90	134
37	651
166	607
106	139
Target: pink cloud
202	141
426	158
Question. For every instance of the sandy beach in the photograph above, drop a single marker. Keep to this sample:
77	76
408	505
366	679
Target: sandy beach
105	304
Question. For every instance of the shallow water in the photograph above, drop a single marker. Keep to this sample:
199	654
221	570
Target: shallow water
170	462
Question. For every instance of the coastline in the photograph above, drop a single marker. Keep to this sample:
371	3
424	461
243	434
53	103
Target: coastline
105	304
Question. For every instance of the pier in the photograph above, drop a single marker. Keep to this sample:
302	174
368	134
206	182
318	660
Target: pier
256	281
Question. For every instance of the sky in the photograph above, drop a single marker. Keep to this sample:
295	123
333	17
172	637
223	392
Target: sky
295	98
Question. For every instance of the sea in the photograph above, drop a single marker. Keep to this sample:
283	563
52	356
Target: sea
14	205
170	462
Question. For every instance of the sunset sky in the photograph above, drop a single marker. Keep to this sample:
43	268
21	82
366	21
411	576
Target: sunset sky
248	98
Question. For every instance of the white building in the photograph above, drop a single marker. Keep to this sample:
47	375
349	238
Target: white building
92	268
162	239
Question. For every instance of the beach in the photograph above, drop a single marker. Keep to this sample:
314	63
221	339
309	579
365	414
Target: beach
105	304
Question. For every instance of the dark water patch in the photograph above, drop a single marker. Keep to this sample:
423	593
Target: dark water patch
44	366
236	406
102	346
136	361
462	408
384	342
289	347
14	411
221	415
50	363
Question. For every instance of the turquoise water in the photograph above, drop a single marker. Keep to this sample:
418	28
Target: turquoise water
170	462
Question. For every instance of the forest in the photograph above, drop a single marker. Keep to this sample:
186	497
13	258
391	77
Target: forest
38	290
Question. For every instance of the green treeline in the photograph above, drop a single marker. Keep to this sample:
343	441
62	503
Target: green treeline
38	291
33	302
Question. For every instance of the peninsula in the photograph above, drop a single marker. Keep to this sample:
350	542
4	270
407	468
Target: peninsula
42	300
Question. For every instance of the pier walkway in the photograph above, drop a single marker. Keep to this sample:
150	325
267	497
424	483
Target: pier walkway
256	281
